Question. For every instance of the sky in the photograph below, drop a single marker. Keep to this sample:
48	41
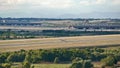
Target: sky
60	8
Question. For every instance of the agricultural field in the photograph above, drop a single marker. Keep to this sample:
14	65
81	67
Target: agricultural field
60	42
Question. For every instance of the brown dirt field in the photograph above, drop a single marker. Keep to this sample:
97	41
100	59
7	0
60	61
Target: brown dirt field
61	42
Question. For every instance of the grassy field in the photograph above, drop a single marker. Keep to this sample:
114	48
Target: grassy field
18	65
96	65
61	42
51	65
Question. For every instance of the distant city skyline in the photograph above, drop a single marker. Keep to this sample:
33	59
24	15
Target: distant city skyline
60	8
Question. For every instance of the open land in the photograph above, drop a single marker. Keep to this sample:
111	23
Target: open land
60	42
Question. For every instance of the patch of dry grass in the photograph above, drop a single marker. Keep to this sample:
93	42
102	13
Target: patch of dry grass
61	42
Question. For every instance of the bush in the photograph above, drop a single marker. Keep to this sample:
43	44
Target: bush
56	60
6	65
32	66
76	59
87	64
109	61
26	64
79	63
1	66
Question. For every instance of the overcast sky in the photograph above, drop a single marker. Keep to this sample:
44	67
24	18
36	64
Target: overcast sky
60	8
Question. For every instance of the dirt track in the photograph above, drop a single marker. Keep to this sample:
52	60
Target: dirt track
61	42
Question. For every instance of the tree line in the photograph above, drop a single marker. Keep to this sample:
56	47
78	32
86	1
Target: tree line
78	57
26	34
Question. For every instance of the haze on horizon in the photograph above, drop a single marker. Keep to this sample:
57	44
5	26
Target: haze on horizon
60	8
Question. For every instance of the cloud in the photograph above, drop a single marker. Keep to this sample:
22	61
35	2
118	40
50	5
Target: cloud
92	2
37	3
99	2
116	2
56	7
55	3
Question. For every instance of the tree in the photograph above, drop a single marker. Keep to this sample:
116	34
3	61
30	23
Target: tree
78	64
32	66
1	66
2	59
11	58
87	64
108	61
26	64
7	65
117	58
28	57
56	60
77	59
16	57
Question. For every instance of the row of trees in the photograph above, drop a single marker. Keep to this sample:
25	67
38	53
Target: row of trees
76	56
24	34
14	35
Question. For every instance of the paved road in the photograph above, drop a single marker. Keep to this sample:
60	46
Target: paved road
61	42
